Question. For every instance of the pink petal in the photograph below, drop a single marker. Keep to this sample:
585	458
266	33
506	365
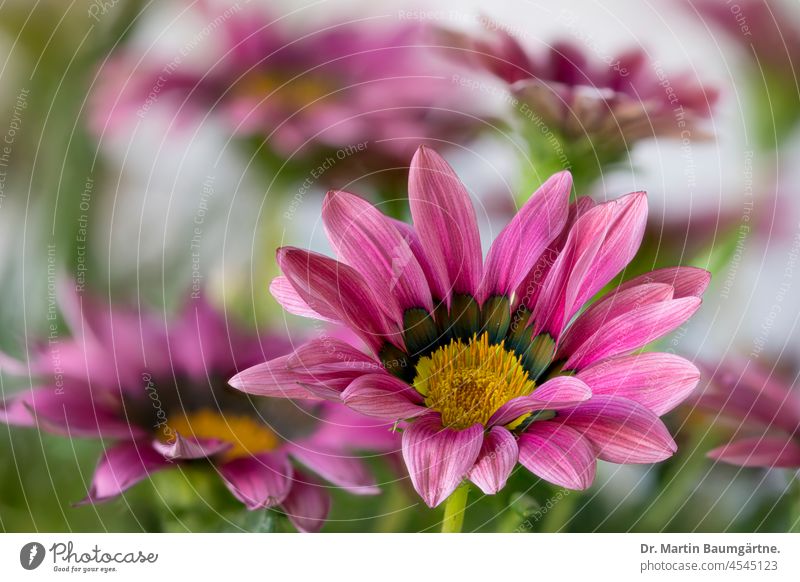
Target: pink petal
687	281
368	241
657	381
347	472
284	293
518	247
258	481
308	503
621	430
601	243
607	309
74	409
445	220
632	331
554	394
328	286
439	459
383	396
768	452
273	378
497	458
557	454
123	466
185	448
437	285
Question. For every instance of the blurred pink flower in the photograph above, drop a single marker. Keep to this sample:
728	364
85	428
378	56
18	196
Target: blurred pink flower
488	363
301	90
611	102
762	408
159	393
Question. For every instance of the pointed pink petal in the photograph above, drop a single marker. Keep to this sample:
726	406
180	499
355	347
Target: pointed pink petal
557	454
768	452
438	286
123	466
328	286
329	354
258	481
284	293
368	241
607	309
273	378
530	288
601	243
184	448
445	220
496	460
632	331
383	396
657	381
621	430
687	281
439	459
518	247
308	503
554	394
349	473
75	409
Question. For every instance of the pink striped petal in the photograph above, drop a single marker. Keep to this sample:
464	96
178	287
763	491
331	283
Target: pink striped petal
439	459
368	241
383	396
308	503
606	310
519	246
437	285
121	467
601	243
274	379
496	460
328	354
687	281
258	481
347	472
621	430
768	452
554	394
445	220
657	381
557	454
185	448
283	292
328	286
632	331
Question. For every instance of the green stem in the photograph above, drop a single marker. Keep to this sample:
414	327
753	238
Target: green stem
794	508
454	510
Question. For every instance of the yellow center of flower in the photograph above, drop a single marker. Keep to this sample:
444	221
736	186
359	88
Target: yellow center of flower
467	382
246	434
297	92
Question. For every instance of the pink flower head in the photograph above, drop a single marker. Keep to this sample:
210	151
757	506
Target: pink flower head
609	103
761	407
330	86
160	394
490	362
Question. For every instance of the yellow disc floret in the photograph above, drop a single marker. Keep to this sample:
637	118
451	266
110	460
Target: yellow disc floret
247	435
468	382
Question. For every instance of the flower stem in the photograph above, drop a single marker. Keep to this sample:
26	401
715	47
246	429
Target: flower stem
454	509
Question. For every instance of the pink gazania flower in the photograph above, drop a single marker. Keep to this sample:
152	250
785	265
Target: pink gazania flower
606	104
330	86
486	363
763	410
159	394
